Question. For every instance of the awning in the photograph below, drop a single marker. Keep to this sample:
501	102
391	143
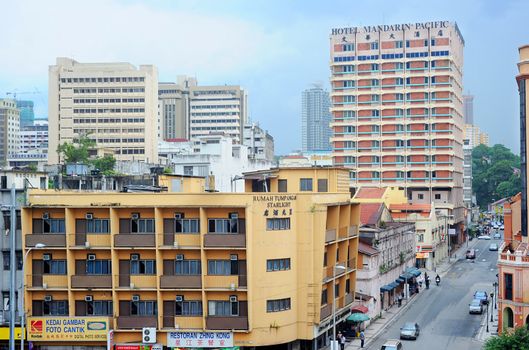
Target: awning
406	276
393	284
359	308
358	317
388	287
414	271
400	280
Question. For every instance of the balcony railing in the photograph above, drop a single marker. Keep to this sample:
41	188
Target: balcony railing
237	240
136	322
325	311
181	281
134	240
227	322
91	281
49	239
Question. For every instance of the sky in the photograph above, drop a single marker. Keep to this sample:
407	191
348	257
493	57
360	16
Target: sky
274	49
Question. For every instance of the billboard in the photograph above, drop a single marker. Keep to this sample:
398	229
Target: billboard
54	328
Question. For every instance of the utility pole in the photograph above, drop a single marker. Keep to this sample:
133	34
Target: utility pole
12	270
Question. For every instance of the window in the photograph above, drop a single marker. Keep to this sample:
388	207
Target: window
349	99
53	226
324	297
348	47
224	308
398	44
305	185
420	196
322	185
337	290
348	84
507	279
142	226
349	114
99	308
420	237
98	226
434	174
188	170
55	308
98	267
348	69
373	45
347	286
187	225
188	267
374	66
278	305
55	267
220	267
437	196
282	185
325	259
277	265
188	308
432	42
6	255
142	267
143	308
275	224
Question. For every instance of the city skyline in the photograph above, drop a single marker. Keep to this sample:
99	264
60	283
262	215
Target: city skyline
272	66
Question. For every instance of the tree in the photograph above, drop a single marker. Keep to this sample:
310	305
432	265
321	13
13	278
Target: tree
518	340
76	152
105	164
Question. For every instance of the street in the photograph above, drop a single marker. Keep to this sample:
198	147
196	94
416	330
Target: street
442	312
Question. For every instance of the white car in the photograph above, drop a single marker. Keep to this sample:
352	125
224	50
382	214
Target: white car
502	227
484	237
475	307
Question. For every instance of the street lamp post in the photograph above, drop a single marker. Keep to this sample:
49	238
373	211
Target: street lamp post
491	307
487	318
495	284
333	342
12	272
23	291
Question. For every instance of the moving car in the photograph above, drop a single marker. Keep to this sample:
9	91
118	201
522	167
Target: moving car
471	254
484	237
410	330
493	247
475	307
392	344
481	296
497	235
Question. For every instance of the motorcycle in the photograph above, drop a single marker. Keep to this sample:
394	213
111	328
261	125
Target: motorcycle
437	280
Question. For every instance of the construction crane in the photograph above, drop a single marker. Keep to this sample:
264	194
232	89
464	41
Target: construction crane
15	93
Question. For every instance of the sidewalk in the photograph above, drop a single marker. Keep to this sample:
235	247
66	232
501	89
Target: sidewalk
376	327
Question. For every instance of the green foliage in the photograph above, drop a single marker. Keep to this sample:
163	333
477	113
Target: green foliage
518	340
76	152
167	170
105	164
493	172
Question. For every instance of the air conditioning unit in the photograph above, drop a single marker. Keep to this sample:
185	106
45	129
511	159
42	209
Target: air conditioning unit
45	216
233	286
44	286
89	216
91	257
88	298
178	215
233	299
234	257
135	216
87	244
179	298
48	298
148	335
135	297
234	215
46	257
179	256
175	244
132	286
134	257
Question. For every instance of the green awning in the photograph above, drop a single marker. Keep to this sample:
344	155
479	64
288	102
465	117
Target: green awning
357	317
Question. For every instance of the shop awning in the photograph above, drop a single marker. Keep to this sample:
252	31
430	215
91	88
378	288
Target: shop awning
388	287
393	284
406	276
414	271
400	280
359	308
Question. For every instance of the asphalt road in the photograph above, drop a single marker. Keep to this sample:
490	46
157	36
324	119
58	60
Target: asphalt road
442	312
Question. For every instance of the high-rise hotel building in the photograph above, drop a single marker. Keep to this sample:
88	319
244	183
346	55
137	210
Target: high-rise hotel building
397	110
116	104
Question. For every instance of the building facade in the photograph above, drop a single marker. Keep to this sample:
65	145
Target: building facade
9	130
27	115
476	136
397	110
240	264
34	137
467	174
468	109
115	103
315	119
259	142
173	109
215	109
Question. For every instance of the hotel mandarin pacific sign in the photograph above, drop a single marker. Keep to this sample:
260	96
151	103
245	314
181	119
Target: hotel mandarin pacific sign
200	339
67	328
391	28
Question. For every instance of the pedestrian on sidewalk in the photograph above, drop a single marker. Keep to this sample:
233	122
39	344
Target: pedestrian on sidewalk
342	341
362	339
400	300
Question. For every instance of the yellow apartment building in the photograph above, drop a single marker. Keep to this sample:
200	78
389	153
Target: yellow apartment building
209	270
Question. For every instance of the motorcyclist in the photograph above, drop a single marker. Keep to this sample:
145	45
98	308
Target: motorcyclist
437	279
427	282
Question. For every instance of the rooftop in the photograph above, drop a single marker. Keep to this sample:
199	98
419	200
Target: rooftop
370	192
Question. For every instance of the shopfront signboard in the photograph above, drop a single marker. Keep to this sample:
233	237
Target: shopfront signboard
53	328
183	339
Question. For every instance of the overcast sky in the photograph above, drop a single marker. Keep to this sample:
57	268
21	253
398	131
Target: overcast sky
274	49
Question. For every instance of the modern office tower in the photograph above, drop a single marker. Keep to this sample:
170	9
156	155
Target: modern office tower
9	129
475	136
259	142
239	269
468	109
467	173
315	119
173	109
116	104
27	115
398	110
215	109
34	137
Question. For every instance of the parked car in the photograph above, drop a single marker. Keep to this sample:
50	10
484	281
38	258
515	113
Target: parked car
392	344
475	307
493	247
410	330
497	235
481	296
484	237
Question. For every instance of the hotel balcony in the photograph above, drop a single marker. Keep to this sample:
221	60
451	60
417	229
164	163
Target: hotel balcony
91	281
237	240
49	239
227	322
90	240
181	281
514	253
225	282
134	240
136	322
180	240
47	281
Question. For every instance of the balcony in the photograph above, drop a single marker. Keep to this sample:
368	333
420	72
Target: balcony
330	235
134	240
49	239
91	281
92	240
136	322
231	282
227	322
187	240
190	322
325	311
47	281
181	281
212	240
